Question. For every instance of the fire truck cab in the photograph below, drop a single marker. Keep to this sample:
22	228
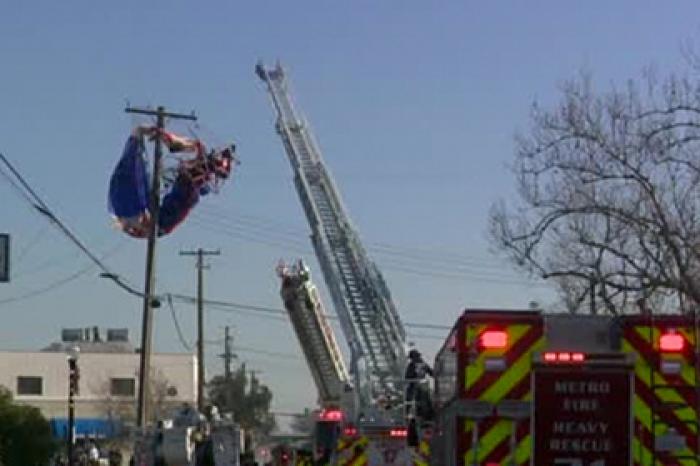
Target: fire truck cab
529	388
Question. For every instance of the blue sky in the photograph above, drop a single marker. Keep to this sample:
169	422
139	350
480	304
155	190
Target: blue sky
415	105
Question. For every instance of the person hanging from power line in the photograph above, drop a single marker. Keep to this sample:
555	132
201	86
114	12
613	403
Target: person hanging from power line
196	172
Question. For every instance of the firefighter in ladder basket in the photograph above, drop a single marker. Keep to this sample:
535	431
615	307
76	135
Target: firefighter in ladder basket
418	401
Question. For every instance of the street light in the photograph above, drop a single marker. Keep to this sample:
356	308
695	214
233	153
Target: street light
73	378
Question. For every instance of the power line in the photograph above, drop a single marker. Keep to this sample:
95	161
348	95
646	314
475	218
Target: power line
180	335
402	263
50	287
271	311
60	282
273	227
38	203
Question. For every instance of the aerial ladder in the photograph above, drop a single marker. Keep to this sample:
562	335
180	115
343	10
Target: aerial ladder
316	336
368	318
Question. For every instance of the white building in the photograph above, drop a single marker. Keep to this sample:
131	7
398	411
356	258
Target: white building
108	384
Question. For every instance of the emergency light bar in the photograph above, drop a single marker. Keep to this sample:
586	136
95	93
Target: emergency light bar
671	342
401	432
493	339
564	357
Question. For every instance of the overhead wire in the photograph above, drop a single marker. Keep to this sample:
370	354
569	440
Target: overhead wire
50	287
60	282
30	195
30	244
281	313
176	323
270	226
404	264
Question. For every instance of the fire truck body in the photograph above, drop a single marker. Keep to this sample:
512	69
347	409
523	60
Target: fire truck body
528	388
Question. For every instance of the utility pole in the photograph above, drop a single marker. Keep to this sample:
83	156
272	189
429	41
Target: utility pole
148	295
253	380
228	356
200	253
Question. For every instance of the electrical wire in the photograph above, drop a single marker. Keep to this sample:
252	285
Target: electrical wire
270	226
58	283
281	314
30	244
180	335
28	193
411	263
50	287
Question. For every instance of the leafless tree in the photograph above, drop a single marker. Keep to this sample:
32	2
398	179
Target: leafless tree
609	199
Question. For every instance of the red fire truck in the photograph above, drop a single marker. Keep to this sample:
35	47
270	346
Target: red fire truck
529	388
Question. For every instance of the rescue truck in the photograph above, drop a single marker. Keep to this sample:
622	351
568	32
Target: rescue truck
531	388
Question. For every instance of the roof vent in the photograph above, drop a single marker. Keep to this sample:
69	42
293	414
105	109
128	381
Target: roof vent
118	335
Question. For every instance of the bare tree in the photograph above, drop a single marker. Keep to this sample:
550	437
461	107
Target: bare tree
609	199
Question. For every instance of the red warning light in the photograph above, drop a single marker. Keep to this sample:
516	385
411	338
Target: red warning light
671	342
401	432
494	339
331	415
564	357
350	431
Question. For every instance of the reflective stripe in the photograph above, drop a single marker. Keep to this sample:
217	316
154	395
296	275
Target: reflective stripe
346	451
513	383
671	398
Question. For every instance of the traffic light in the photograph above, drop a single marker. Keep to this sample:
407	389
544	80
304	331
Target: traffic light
74	376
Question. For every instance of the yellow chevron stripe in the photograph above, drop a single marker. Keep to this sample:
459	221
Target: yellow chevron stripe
417	460
345	457
642	412
687	370
424	448
643	371
497	391
476	368
489	440
524	450
513	375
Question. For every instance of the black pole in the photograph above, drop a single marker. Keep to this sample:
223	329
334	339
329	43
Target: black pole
154	209
227	354
72	379
200	253
147	323
200	331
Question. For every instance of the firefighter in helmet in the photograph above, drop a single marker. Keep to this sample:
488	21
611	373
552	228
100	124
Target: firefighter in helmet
416	392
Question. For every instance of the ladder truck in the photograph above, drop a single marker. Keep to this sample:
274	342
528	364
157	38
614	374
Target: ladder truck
368	317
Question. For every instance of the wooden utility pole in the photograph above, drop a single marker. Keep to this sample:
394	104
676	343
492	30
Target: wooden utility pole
254	380
200	253
228	355
143	407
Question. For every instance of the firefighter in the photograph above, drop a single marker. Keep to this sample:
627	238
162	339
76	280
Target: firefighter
416	393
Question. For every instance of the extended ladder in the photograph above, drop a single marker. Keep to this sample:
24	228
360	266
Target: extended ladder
361	298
